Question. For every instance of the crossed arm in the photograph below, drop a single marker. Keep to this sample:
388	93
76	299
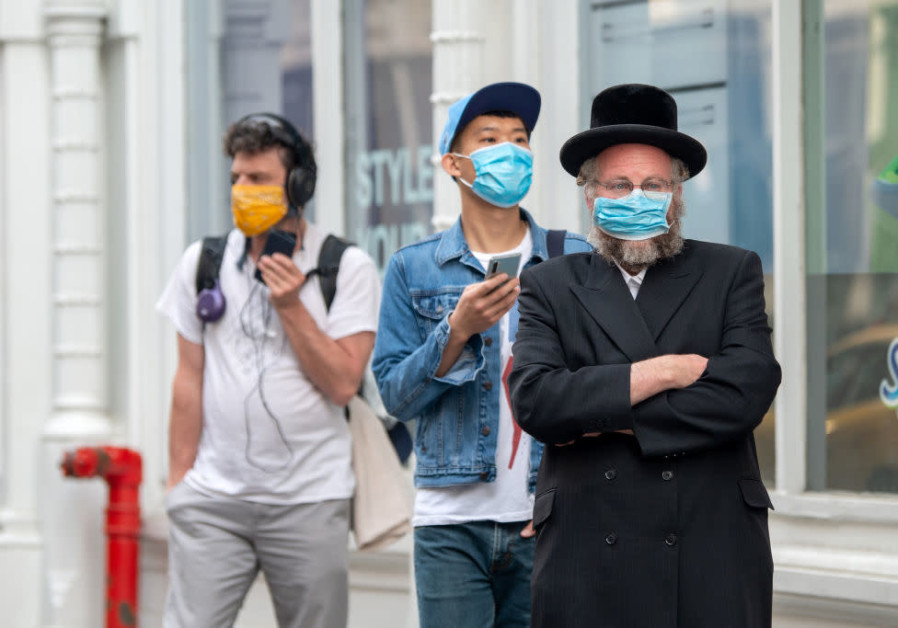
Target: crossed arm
666	372
673	403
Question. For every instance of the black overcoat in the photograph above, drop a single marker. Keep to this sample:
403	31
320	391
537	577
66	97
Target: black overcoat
667	528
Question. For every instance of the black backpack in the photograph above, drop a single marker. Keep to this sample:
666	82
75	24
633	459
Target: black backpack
209	265
329	257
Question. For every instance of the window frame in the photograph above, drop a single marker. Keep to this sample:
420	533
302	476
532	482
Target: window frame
826	544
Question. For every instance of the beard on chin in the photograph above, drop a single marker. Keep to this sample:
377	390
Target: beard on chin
641	253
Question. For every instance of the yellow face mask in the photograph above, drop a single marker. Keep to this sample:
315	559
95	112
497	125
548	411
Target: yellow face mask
257	208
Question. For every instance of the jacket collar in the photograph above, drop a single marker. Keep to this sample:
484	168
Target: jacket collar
636	325
454	246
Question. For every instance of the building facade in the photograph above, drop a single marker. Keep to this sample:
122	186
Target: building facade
111	114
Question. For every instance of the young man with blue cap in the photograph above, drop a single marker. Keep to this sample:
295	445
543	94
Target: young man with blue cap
442	356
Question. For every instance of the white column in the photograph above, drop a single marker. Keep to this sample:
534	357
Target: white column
463	60
789	247
72	510
476	43
24	297
555	200
327	104
74	35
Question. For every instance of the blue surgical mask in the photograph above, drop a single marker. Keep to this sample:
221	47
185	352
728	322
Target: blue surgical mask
632	217
502	173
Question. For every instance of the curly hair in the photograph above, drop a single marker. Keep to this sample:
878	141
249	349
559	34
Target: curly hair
253	135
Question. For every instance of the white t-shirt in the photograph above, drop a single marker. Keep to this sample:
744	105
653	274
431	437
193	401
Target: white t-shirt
268	434
508	498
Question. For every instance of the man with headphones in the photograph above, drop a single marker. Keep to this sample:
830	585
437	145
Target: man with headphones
259	448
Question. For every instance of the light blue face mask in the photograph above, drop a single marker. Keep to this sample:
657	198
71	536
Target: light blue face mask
503	173
632	217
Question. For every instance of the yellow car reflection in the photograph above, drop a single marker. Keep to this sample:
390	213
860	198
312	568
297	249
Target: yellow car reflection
861	431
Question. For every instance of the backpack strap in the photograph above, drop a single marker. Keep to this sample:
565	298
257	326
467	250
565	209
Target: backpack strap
209	264
328	266
555	242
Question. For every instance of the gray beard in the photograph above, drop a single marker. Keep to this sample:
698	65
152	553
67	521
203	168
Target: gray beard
634	255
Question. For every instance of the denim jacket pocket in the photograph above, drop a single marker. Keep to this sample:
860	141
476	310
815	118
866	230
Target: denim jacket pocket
433	307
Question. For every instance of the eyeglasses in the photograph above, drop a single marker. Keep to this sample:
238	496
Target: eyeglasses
655	189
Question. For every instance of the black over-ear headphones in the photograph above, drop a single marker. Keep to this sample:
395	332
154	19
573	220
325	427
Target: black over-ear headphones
301	179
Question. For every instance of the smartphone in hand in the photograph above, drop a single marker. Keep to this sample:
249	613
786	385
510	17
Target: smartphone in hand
278	242
507	264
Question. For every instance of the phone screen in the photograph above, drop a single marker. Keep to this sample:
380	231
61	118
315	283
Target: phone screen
278	242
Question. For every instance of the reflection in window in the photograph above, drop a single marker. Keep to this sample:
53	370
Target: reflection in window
242	57
389	191
861	431
852	285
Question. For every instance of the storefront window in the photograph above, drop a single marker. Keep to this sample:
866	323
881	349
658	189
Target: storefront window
713	56
852	283
389	190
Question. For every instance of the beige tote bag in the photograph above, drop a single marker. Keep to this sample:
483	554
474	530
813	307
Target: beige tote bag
382	504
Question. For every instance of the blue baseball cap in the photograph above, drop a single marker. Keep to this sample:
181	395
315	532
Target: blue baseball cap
515	97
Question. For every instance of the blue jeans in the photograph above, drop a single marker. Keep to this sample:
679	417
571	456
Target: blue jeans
473	575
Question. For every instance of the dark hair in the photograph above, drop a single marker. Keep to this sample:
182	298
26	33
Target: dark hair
256	134
498	113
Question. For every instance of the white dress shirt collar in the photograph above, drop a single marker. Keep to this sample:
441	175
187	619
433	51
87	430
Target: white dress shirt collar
634	282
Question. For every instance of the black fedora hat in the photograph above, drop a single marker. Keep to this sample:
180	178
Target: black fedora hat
633	114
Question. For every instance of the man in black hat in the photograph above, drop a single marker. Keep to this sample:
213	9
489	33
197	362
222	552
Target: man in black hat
644	367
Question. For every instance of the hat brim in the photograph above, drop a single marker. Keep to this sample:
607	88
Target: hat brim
590	143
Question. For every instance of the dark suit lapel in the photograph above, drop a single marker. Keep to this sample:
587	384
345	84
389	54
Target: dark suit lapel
607	299
664	290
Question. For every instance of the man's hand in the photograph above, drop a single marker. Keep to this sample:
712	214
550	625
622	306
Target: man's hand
681	371
666	372
283	279
478	309
482	304
686	369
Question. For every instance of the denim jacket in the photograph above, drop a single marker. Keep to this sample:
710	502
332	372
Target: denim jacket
457	414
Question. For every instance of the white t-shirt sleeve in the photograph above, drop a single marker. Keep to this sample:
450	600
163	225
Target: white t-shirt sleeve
357	301
178	299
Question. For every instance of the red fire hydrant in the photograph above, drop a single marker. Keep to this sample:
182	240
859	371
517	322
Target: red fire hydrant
121	468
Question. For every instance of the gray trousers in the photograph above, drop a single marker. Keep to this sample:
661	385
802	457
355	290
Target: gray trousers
217	545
